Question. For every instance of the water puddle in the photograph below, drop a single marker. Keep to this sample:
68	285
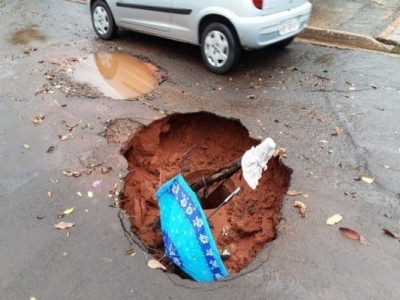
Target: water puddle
117	75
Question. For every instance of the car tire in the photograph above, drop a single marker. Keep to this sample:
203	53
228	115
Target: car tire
103	20
284	43
220	48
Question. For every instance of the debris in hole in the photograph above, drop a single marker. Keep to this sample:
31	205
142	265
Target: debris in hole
225	255
155	155
188	241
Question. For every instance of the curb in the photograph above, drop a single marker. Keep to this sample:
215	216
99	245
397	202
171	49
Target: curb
343	38
391	34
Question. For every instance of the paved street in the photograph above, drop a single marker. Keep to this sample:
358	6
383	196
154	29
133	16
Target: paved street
334	110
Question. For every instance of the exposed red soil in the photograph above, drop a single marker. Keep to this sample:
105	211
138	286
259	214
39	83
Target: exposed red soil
156	153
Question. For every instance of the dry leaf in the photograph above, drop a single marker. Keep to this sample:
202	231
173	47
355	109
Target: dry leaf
354	235
65	137
305	195
130	251
336	131
391	234
334	219
105	170
367	179
72	127
64	225
37	119
71	173
293	193
69	211
49	194
364	241
302	208
281	152
155	264
50	149
351	234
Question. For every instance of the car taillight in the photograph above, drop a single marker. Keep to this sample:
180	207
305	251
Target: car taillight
258	3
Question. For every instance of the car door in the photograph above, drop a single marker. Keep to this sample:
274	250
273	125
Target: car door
145	15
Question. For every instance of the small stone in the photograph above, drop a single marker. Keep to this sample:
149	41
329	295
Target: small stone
225	255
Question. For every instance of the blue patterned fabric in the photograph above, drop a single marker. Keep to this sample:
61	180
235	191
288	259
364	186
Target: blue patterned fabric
187	237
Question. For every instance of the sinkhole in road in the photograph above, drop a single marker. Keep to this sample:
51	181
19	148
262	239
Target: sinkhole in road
194	145
118	75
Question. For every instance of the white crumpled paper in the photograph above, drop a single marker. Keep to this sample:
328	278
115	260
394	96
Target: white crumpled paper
255	160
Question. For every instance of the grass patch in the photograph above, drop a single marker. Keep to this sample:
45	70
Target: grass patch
396	50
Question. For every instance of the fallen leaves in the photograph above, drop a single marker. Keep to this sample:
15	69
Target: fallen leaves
65	137
68	211
105	170
50	149
280	152
391	234
352	86
130	251
64	225
302	208
71	173
88	169
336	131
293	193
38	119
155	264
354	235
368	180
334	219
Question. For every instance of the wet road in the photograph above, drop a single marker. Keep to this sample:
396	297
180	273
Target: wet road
335	111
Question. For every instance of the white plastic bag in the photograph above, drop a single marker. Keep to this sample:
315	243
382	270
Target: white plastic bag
255	160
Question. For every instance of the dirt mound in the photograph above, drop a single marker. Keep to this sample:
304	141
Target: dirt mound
194	145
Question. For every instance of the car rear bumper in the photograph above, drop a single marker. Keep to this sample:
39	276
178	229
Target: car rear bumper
255	33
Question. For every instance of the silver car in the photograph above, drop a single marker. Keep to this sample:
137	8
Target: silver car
221	27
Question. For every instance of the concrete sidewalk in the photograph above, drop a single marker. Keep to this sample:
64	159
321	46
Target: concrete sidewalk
368	24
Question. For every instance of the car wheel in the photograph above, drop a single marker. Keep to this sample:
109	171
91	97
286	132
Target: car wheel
220	49
103	20
284	43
